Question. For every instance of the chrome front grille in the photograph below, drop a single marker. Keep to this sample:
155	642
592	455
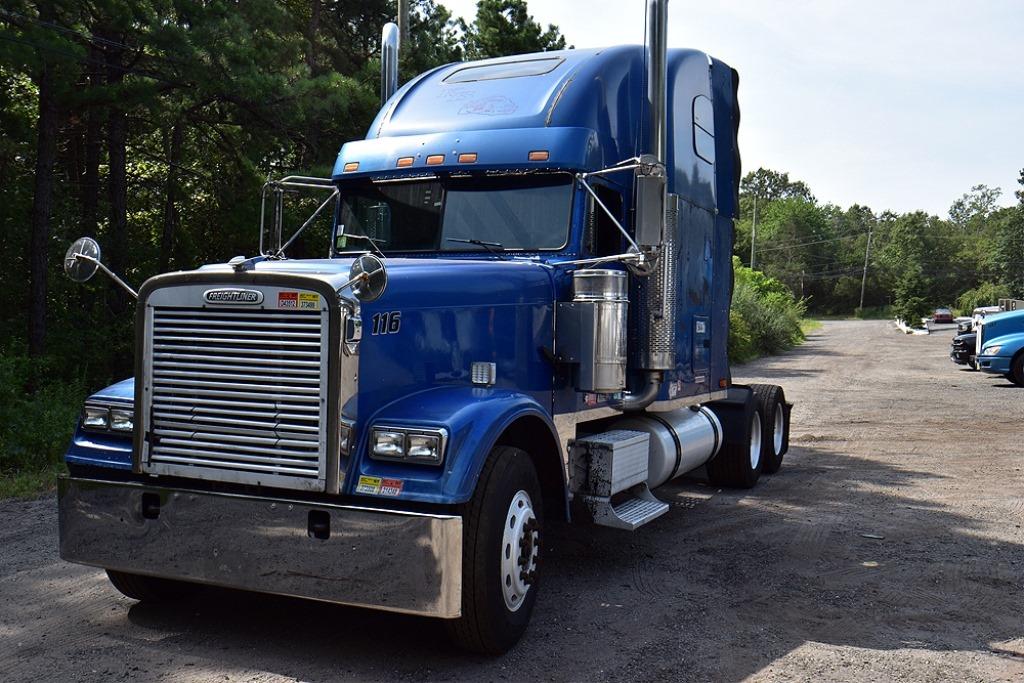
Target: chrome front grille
237	394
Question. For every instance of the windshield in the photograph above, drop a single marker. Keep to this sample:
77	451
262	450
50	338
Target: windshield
456	214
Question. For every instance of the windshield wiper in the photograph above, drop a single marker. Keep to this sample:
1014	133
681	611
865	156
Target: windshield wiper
373	242
493	247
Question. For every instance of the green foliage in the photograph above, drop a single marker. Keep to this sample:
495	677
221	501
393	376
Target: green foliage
504	27
765	317
35	426
985	294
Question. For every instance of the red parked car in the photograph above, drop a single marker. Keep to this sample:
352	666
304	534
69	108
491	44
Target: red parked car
942	315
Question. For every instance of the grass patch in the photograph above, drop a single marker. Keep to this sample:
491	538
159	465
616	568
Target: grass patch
808	325
29	484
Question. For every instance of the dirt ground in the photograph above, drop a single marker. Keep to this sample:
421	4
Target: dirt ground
787	582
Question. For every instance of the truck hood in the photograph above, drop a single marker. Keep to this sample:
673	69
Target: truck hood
430	281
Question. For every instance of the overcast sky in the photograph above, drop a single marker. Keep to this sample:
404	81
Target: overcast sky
898	104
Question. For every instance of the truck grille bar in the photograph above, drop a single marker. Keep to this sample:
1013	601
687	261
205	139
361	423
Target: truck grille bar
237	395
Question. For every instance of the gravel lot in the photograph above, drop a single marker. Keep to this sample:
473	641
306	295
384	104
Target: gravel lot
783	583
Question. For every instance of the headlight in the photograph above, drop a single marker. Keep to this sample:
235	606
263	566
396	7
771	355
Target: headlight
122	419
96	417
425	446
991	350
388	444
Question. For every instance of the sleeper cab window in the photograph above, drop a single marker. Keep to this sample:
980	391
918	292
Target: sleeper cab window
704	129
517	68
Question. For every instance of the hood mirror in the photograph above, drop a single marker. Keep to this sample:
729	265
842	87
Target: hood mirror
368	278
82	259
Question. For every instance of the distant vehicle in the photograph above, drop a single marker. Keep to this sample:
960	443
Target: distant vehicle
961	351
1004	356
942	315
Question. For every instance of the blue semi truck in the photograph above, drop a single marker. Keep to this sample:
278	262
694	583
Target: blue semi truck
1000	345
522	316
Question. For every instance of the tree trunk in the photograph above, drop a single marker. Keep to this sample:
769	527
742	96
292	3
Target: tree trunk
117	182
171	194
42	202
93	155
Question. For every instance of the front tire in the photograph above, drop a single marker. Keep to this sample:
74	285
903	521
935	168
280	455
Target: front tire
1016	373
149	589
501	526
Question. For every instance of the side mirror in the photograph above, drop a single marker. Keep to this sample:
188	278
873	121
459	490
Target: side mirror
82	259
368	278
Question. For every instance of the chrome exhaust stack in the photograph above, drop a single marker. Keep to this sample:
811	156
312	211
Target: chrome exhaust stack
657	216
389	44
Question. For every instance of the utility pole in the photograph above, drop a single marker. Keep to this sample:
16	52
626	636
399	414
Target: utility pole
864	277
753	233
403	22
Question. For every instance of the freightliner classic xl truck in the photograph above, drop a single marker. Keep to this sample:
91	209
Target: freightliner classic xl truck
522	317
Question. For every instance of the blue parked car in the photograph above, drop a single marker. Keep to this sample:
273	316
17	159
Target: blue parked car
1004	356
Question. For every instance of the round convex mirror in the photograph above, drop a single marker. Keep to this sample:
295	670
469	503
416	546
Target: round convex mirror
78	268
371	287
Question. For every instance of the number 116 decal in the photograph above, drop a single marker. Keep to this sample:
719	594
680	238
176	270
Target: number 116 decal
386	323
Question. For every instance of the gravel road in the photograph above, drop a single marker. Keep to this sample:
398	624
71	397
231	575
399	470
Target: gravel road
787	582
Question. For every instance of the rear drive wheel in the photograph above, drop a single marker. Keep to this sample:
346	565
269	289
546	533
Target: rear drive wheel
501	528
149	588
771	399
739	462
1016	374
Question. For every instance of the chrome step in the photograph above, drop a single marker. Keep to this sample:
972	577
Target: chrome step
639	509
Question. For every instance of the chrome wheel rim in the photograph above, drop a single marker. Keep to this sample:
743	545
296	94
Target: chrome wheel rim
520	545
780	426
755	442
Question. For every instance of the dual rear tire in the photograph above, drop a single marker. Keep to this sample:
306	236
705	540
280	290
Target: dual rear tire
755	426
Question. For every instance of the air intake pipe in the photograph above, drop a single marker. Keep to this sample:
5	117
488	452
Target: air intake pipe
389	44
656	225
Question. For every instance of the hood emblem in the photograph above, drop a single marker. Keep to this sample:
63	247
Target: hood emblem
247	297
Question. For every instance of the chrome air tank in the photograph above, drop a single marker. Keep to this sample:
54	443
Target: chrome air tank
681	440
601	300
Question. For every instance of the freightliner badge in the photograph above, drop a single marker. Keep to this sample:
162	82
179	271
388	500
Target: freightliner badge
233	296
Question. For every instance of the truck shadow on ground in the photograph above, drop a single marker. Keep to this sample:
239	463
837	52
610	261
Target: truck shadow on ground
720	587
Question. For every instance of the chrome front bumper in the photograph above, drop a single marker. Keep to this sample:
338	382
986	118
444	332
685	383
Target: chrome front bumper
383	559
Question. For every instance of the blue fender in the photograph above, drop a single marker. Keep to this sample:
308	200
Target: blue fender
475	418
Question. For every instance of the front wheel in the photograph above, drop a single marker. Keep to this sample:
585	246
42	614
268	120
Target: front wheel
1016	373
149	588
501	526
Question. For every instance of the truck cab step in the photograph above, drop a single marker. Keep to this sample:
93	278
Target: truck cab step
638	509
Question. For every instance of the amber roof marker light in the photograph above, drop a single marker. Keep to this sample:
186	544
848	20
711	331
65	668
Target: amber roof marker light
435	159
467	158
404	162
538	155
350	167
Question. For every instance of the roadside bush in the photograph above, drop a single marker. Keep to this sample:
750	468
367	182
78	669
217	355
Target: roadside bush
765	316
985	294
37	418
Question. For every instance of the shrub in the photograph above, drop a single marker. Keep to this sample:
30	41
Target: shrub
985	294
765	317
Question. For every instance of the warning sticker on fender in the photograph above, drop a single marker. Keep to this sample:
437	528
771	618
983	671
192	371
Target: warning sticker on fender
287	299
378	486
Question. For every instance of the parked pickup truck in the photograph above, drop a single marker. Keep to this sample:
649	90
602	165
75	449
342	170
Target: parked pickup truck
1004	356
962	350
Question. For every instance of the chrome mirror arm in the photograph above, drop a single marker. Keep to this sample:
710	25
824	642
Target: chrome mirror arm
110	273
